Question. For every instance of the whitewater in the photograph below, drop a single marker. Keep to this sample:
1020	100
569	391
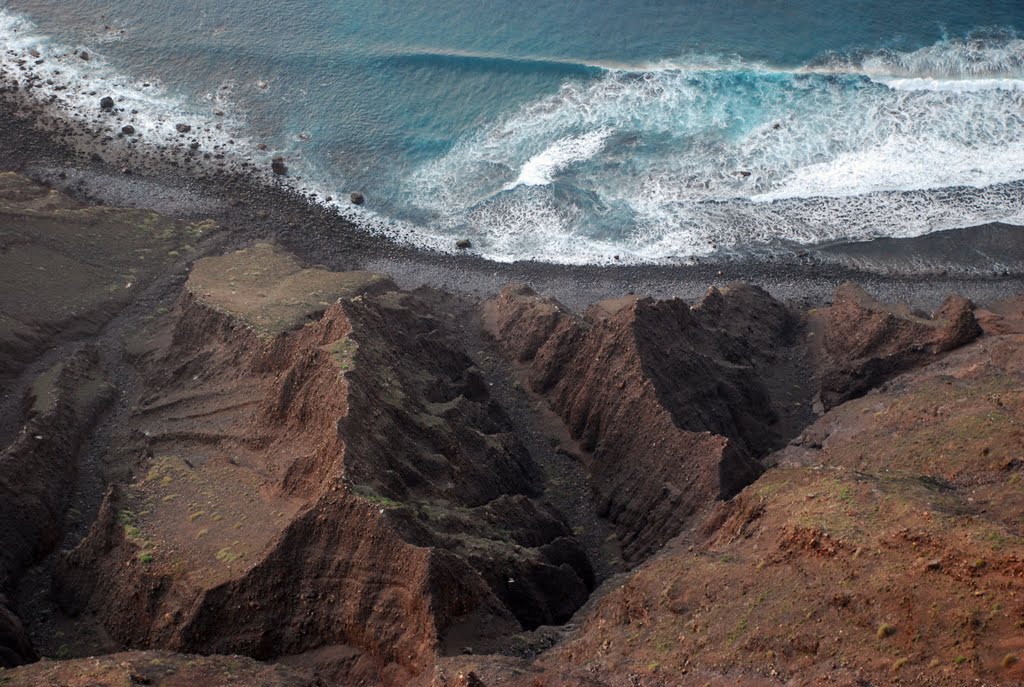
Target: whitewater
643	162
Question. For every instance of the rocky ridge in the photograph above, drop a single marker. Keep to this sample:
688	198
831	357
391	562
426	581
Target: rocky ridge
314	471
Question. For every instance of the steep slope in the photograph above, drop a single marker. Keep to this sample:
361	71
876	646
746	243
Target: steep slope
866	342
316	463
886	549
37	479
673	405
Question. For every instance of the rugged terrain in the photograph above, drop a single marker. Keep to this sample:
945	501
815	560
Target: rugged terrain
225	464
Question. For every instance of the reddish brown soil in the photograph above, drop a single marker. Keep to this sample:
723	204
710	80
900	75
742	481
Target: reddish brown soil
319	469
673	404
156	668
318	465
885	550
867	342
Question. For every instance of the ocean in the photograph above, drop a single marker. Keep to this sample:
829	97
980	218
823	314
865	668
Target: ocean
576	131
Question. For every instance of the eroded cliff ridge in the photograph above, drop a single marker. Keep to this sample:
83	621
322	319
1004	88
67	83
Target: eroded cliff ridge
263	471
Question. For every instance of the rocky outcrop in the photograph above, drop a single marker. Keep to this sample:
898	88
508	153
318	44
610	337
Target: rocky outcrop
884	549
867	342
674	404
323	466
37	478
158	668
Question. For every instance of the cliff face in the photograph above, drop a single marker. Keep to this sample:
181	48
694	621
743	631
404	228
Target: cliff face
674	404
307	467
867	342
884	549
320	465
37	478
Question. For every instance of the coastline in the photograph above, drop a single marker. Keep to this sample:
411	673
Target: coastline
761	363
919	271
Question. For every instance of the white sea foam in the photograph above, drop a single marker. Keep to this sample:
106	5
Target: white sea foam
955	85
68	87
542	167
731	155
662	162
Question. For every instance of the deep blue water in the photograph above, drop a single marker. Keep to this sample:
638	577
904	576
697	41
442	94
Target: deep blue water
575	131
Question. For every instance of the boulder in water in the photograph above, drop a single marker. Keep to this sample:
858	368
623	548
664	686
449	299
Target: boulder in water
127	129
183	128
106	103
463	244
357	198
278	166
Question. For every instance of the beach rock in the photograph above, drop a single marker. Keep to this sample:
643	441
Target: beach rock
106	103
278	166
357	198
867	342
128	130
183	128
84	55
463	244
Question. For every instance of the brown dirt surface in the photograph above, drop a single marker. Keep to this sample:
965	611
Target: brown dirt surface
318	466
866	341
155	668
885	549
67	268
672	404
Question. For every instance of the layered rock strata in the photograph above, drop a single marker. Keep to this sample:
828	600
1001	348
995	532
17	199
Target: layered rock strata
673	404
317	463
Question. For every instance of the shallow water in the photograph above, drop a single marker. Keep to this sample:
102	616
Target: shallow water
578	131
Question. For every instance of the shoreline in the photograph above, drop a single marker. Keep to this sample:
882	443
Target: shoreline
920	271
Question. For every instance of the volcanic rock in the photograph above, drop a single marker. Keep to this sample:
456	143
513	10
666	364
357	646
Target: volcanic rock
666	398
328	469
278	166
127	129
357	198
183	128
867	342
106	103
38	476
889	546
463	244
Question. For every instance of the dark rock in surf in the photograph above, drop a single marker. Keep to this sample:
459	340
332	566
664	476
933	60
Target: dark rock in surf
84	55
277	166
357	198
107	103
463	244
183	128
127	129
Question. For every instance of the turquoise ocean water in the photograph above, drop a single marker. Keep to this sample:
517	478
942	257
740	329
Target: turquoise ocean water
575	131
